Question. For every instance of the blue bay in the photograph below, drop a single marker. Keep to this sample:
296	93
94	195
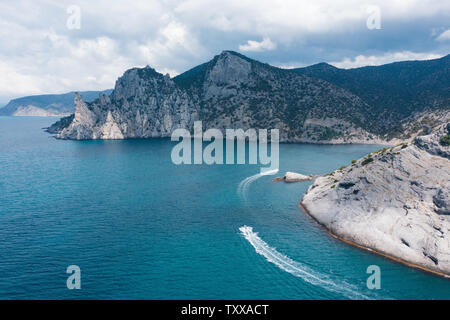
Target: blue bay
141	227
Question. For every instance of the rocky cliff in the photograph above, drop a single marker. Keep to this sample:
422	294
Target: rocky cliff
233	91
230	91
395	201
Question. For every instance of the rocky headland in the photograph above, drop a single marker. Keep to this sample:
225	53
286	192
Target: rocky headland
395	202
232	91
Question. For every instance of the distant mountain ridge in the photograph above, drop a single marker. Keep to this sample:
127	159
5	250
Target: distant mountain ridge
48	104
317	104
393	90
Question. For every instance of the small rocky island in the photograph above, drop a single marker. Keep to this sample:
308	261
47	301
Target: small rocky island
293	177
395	202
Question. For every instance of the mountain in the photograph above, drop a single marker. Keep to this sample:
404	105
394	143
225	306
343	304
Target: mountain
46	105
394	91
395	202
230	91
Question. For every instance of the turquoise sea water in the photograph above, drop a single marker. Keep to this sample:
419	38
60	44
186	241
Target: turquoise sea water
140	227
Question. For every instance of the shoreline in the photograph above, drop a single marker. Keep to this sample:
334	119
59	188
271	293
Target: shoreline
383	254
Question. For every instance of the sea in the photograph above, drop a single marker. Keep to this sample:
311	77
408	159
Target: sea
139	226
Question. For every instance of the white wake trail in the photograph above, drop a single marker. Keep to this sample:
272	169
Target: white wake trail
298	269
244	185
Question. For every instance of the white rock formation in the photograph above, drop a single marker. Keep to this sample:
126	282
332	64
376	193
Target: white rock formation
83	124
294	177
110	129
395	202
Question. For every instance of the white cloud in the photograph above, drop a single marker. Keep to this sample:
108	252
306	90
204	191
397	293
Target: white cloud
57	64
40	55
50	60
289	65
265	44
293	19
361	60
444	36
13	81
43	56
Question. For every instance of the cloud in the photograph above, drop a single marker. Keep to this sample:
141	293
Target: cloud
172	43
60	64
361	60
39	54
289	65
444	36
299	16
265	44
52	59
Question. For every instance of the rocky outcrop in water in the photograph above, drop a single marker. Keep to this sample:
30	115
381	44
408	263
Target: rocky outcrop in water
395	201
293	177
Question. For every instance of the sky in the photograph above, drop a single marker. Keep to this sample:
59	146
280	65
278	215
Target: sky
49	46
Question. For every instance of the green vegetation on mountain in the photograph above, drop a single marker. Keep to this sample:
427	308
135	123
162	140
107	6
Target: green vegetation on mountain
445	140
393	91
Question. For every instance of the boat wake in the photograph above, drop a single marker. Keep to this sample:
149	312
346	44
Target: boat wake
298	269
244	185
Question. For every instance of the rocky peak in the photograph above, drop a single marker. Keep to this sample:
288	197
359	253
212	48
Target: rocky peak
82	113
137	74
78	100
229	68
133	81
323	67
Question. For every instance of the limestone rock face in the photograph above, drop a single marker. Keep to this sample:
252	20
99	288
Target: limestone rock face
144	104
110	129
395	201
83	123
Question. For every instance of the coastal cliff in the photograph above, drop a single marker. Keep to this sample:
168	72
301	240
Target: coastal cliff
230	91
395	202
233	91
